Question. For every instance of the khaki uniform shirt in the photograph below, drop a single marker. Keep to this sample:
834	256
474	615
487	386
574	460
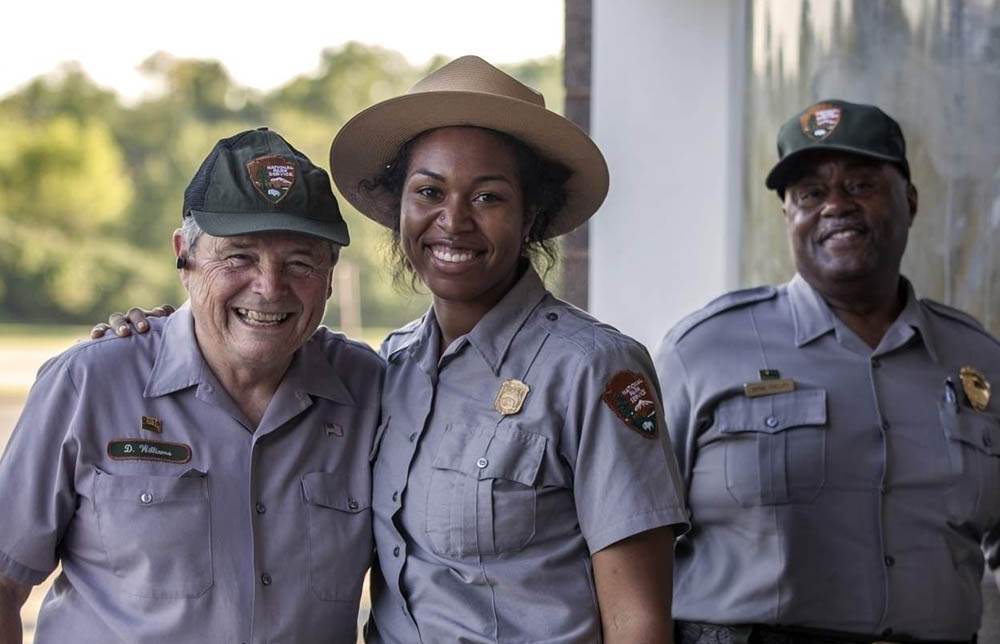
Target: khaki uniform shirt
856	502
485	523
173	520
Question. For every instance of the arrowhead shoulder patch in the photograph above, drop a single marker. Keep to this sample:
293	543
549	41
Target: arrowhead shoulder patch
630	396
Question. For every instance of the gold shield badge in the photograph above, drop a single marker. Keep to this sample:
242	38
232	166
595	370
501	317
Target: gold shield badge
976	387
510	397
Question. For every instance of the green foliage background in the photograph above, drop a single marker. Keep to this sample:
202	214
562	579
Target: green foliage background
91	187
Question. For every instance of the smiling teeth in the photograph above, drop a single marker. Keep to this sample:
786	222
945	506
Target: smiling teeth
452	256
261	317
840	234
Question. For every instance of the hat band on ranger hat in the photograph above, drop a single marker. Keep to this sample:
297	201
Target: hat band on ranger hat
472	93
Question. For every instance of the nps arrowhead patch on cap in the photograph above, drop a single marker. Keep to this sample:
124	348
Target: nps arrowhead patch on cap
630	396
272	176
820	120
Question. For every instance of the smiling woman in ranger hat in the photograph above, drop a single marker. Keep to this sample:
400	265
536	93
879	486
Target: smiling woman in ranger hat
523	490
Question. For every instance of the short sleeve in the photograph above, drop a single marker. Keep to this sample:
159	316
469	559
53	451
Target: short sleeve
36	478
624	475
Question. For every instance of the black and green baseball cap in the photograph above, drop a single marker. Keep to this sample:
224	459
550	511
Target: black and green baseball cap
255	182
842	126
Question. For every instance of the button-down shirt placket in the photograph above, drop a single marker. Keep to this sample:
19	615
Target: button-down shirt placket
461	577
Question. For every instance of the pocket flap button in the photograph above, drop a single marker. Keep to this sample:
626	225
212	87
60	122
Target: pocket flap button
146	498
482	462
352	504
771	421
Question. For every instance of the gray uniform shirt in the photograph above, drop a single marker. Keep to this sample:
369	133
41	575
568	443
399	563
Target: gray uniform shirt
856	502
485	523
173	520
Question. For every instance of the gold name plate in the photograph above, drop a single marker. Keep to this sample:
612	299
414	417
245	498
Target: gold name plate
768	387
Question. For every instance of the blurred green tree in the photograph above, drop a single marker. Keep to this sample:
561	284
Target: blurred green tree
93	186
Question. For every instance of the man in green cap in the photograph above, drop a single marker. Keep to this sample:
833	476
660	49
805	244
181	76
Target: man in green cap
206	481
837	435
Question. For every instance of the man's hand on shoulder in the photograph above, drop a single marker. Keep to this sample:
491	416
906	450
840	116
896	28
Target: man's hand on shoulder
134	320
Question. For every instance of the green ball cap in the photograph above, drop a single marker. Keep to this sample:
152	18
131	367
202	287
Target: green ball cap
841	126
255	182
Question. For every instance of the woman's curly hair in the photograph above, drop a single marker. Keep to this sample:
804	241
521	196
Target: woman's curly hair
543	186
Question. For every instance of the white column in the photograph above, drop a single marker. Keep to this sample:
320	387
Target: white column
666	110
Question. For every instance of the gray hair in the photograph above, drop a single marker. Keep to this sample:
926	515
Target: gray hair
191	231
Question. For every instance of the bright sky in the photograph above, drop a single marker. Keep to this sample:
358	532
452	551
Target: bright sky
262	44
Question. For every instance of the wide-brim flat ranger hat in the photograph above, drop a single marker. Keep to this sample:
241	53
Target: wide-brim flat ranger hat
467	92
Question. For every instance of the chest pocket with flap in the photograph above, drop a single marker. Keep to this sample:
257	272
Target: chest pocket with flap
775	446
156	531
340	533
482	497
974	451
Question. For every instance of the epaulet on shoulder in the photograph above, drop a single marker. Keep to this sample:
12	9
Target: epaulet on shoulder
404	330
958	315
400	337
329	337
566	321
720	304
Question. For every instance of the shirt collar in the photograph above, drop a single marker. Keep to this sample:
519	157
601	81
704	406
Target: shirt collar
178	360
813	317
914	316
810	314
493	334
179	364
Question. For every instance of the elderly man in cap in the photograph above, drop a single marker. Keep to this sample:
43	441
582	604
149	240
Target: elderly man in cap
837	436
207	481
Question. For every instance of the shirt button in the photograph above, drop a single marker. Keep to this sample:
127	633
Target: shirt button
395	496
890	561
146	498
552	317
260	508
413	437
885	425
352	504
771	421
395	551
482	462
884	488
265	579
876	363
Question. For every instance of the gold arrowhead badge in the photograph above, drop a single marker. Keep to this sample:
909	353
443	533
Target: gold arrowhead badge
976	387
510	397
